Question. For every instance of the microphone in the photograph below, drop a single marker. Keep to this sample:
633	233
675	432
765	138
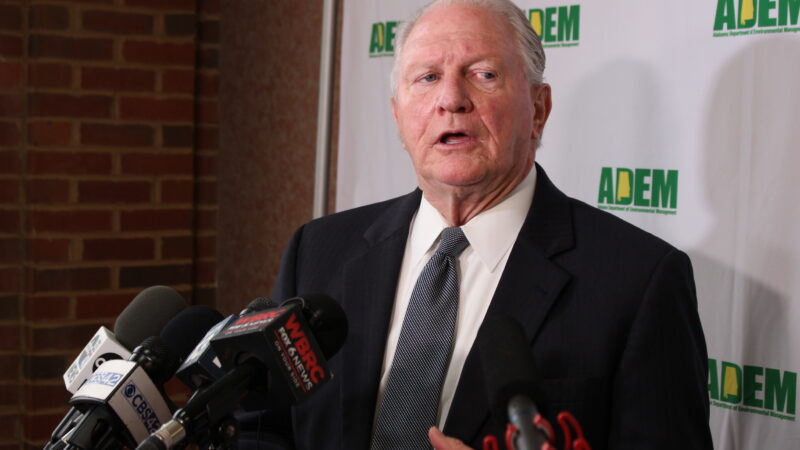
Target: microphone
145	316
258	304
120	401
187	328
276	355
512	381
284	341
202	367
123	401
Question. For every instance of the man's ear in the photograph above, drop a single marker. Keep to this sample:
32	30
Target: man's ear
542	104
393	102
394	108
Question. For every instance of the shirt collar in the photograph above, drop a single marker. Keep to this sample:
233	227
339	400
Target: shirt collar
491	234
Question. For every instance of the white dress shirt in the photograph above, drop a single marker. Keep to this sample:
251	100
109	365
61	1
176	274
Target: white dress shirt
491	234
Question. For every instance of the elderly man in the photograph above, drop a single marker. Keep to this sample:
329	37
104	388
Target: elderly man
609	310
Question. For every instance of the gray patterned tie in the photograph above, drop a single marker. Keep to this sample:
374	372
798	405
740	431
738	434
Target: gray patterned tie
411	397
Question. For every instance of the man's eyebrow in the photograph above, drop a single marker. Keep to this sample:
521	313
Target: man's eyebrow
433	64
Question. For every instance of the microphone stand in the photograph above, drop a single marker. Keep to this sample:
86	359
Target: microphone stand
207	416
87	431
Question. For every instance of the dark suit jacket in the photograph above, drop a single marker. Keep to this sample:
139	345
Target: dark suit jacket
610	311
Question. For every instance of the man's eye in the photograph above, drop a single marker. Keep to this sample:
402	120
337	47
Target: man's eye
429	78
487	75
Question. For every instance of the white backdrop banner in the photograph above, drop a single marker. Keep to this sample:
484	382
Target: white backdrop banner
679	116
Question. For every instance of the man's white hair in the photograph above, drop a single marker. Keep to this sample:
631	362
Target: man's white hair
528	43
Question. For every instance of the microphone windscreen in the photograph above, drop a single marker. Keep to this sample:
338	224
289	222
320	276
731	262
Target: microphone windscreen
259	304
188	327
147	314
157	358
326	318
508	365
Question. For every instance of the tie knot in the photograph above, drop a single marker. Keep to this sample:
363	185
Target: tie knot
453	242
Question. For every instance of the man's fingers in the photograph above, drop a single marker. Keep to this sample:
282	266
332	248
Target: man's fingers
441	442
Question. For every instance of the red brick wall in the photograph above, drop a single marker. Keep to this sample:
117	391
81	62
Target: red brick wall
108	147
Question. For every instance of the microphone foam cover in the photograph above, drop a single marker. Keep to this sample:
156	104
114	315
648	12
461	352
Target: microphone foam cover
147	314
261	303
188	327
326	318
508	365
157	359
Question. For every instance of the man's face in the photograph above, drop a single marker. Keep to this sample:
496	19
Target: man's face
467	115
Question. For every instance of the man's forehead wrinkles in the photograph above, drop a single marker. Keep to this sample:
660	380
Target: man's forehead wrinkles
455	37
442	53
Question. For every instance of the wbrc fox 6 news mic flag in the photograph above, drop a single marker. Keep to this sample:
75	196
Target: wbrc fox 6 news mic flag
272	358
202	367
678	116
294	359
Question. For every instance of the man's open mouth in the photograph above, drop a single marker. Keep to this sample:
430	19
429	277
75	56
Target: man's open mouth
454	137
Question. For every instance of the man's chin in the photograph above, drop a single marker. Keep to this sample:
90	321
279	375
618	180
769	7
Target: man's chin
457	180
456	174
458	186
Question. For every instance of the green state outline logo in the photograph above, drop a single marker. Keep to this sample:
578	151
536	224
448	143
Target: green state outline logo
641	190
737	387
381	41
557	26
749	17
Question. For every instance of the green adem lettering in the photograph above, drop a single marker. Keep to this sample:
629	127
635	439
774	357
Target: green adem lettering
746	14
556	24
643	188
381	41
748	387
781	392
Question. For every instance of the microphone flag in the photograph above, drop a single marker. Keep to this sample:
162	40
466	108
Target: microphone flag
283	342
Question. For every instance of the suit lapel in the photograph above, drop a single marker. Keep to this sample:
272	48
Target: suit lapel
370	282
528	288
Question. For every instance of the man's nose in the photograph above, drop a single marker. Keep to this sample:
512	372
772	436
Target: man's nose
453	96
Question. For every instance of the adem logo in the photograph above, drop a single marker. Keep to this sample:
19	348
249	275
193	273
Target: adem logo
753	389
557	26
381	42
638	190
743	17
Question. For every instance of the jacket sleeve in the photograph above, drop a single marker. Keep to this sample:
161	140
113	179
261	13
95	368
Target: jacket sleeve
660	393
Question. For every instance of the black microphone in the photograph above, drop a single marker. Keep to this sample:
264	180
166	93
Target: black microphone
275	355
258	304
145	316
512	379
123	401
187	328
202	367
298	337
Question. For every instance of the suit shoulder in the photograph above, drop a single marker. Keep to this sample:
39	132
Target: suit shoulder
355	220
353	224
318	250
611	231
623	261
